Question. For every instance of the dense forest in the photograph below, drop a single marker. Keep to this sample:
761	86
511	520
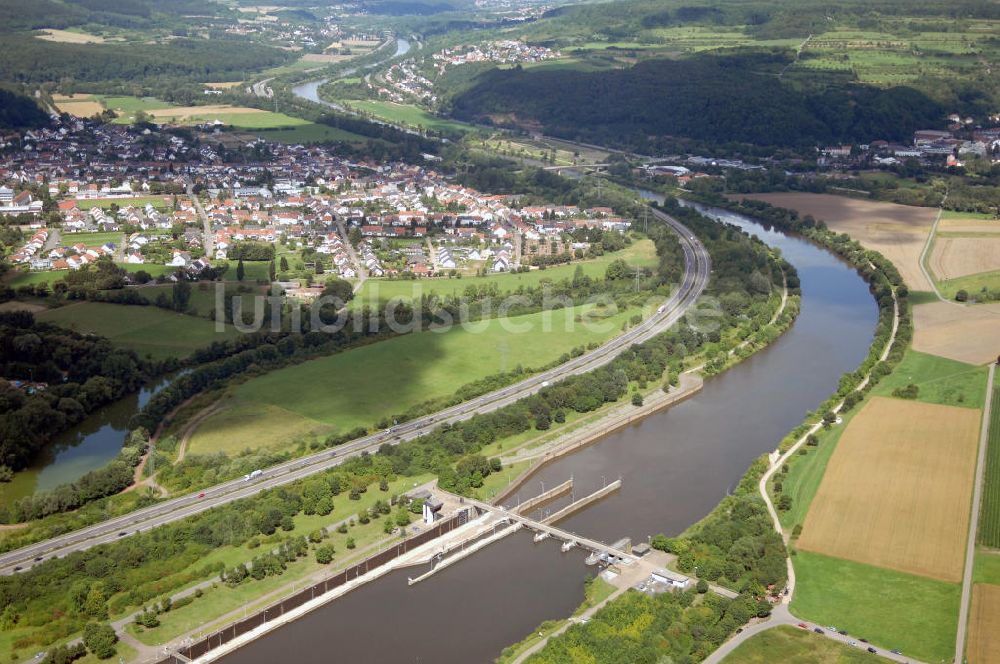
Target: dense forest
36	14
732	98
25	59
20	112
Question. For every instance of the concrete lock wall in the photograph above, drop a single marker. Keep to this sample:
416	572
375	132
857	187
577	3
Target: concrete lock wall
277	609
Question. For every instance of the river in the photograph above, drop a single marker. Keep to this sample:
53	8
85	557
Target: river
310	90
676	466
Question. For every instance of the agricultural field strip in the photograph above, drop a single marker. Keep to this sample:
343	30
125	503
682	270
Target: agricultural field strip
913	519
697	269
986	435
984	630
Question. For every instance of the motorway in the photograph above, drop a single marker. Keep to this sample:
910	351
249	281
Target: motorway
696	277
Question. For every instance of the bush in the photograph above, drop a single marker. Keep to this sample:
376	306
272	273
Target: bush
324	555
100	639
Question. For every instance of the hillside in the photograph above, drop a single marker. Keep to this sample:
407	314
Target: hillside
736	98
20	112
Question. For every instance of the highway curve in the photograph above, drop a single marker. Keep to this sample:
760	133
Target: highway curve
696	276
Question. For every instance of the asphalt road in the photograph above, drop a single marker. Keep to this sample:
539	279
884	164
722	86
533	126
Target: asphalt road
696	277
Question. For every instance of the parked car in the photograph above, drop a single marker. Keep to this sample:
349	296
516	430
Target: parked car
803	626
817	630
872	650
895	652
842	632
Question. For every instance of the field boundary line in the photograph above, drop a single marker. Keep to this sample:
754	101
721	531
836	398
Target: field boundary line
977	496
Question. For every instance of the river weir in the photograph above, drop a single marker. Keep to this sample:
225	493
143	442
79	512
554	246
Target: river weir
676	465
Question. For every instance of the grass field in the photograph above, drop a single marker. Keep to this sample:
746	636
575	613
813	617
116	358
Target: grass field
893	610
405	114
987	566
941	381
159	202
792	645
984	625
361	386
805	472
897	491
309	133
972	284
91	239
640	253
147	330
989	519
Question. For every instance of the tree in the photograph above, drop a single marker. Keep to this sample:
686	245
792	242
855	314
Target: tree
6	474
100	639
702	586
181	295
340	289
636	399
270	270
283	264
240	270
96	605
324	554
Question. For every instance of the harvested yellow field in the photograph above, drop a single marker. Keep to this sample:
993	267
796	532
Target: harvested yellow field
68	37
970	226
967	334
81	109
324	57
898	232
181	112
955	257
79	96
984	625
225	85
898	489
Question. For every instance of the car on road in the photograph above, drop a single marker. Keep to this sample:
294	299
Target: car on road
803	626
833	629
817	630
863	640
17	568
38	559
872	650
895	652
853	643
842	632
122	533
201	495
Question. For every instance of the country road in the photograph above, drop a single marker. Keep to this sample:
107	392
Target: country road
977	500
696	277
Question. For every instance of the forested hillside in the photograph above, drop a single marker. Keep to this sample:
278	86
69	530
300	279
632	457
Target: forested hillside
20	112
26	59
733	98
35	14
